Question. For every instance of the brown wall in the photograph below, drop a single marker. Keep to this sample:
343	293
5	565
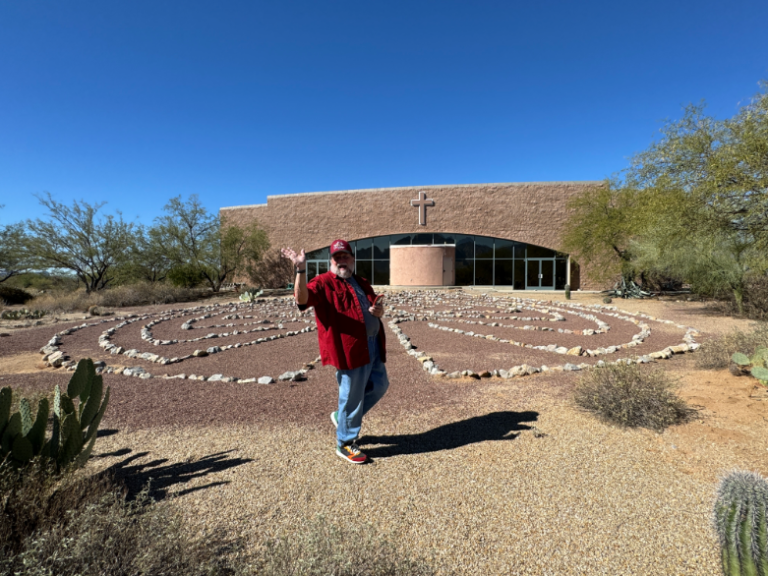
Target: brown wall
527	212
419	265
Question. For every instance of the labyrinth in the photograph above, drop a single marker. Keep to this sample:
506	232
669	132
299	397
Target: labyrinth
452	335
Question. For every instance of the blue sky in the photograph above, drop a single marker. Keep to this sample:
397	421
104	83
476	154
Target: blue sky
134	102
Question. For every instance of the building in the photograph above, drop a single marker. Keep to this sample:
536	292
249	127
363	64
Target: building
474	234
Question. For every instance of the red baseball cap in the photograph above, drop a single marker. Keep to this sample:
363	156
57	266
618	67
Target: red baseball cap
340	246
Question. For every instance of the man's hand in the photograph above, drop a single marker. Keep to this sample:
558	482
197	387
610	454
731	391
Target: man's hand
377	310
299	260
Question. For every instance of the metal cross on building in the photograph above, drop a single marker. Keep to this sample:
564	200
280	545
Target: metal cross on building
422	204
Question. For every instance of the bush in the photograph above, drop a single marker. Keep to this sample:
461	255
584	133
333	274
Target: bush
628	396
716	353
87	525
322	548
755	301
13	296
120	296
185	276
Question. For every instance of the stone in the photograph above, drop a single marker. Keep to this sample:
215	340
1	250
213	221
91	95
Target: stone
215	377
485	374
575	351
679	349
266	380
199	353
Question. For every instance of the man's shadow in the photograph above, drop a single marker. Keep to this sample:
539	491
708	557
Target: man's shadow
494	426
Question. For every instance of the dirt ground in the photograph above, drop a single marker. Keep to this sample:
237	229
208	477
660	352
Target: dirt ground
457	474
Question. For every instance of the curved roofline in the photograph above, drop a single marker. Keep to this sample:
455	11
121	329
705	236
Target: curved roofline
429	187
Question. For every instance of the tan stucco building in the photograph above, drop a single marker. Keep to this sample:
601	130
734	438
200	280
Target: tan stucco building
473	234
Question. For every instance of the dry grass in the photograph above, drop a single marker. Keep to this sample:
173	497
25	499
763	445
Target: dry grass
117	297
717	353
631	397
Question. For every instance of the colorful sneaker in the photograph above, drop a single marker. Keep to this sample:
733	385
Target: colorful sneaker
335	419
351	453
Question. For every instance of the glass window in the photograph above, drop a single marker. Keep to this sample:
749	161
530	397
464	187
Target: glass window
322	267
381	272
519	279
425	239
465	247
560	274
444	239
465	272
505	248
483	247
539	252
364	249
364	268
381	248
322	254
311	270
484	272
401	239
503	273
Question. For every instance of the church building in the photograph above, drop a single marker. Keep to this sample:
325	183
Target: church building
505	235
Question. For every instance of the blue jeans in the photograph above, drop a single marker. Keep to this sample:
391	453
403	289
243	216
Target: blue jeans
359	390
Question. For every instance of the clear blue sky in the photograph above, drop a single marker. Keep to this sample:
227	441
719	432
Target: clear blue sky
134	102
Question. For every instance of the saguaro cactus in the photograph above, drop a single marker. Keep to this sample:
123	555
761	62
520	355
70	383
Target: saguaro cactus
740	520
74	429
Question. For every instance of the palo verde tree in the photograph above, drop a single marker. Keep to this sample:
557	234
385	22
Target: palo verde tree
73	238
147	260
693	205
207	244
14	256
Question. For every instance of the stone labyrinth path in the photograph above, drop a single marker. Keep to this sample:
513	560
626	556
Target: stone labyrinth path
452	335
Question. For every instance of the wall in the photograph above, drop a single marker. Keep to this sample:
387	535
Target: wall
527	212
419	265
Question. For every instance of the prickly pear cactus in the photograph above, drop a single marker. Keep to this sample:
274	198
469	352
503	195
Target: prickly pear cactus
740	516
740	359
251	295
761	374
74	427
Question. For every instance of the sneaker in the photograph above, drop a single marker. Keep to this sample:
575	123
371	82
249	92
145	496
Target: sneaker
335	419
351	453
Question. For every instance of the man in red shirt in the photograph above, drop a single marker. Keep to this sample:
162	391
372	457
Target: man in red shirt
351	338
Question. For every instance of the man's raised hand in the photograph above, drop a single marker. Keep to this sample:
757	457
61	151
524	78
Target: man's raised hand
298	259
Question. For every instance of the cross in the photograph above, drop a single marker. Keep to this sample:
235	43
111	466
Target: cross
422	204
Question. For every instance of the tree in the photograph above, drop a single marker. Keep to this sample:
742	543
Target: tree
72	238
693	205
147	260
219	250
14	256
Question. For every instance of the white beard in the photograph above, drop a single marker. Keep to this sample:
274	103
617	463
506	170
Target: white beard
345	273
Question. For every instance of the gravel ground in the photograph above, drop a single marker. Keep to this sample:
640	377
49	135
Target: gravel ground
457	473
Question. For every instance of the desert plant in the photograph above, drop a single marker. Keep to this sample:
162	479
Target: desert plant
13	295
630	396
756	366
251	294
607	300
741	521
717	353
22	314
567	291
74	427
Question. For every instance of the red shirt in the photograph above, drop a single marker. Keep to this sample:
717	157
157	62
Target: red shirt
340	324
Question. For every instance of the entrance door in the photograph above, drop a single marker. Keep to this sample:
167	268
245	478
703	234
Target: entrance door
540	274
449	278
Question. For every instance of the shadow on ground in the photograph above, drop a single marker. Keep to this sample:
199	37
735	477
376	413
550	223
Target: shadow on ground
490	427
161	476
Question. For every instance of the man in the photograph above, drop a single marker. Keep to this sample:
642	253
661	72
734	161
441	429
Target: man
351	339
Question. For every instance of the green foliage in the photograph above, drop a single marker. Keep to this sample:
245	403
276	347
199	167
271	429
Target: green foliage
74	427
74	239
14	253
629	396
567	291
740	359
251	294
717	352
13	296
22	314
760	372
740	517
185	276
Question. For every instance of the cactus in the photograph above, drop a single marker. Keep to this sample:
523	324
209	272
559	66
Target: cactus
251	294
740	515
607	300
740	359
760	357
74	427
760	373
567	291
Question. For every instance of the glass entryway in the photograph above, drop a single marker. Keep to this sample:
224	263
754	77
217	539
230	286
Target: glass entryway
540	274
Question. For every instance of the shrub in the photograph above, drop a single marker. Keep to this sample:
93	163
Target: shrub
755	301
322	548
13	296
716	353
62	301
185	275
120	296
87	525
628	396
